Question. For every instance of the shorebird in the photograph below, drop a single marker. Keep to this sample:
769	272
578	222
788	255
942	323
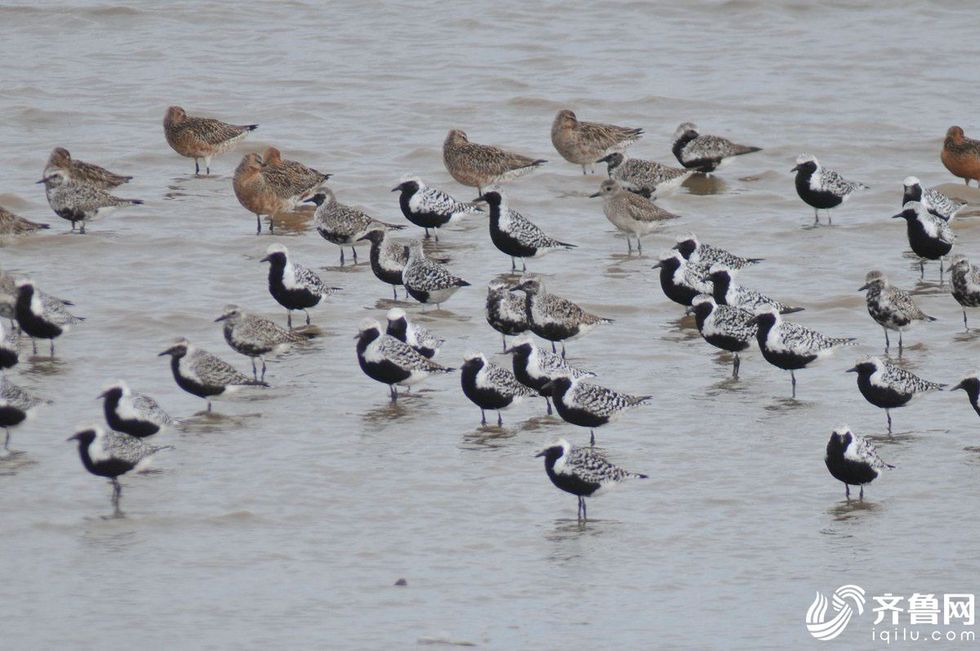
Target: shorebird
292	178
682	280
11	224
204	375
965	284
390	361
646	177
535	367
583	143
890	307
40	319
555	318
852	460
388	257
254	336
79	202
489	386
9	353
198	138
936	202
822	188
16	406
589	405
8	299
515	235
694	250
83	172
293	286
727	292
930	237
341	224
132	413
961	155
970	384
424	342
480	166
630	213
887	386
256	194
426	280
705	154
430	208
506	311
725	327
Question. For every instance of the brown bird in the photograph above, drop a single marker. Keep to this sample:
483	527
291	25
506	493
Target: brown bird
961	155
201	137
82	171
292	179
11	224
256	193
584	143
479	166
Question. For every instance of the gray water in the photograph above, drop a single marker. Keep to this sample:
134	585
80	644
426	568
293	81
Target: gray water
284	519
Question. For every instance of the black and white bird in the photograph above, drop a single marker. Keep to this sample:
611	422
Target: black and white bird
649	178
293	286
430	208
535	367
489	386
555	318
426	280
822	188
791	346
16	406
8	299
681	279
965	284
970	384
887	386
388	258
583	472
890	307
706	153
77	201
38	319
390	361
254	336
341	224
112	454
852	460
515	235
9	352
424	342
589	405
204	375
727	292
725	327
930	237
506	310
132	413
693	250
936	202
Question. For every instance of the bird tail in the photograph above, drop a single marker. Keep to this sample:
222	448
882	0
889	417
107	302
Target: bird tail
636	475
135	202
537	163
254	383
844	341
462	283
251	127
605	320
745	149
791	310
42	225
158	448
642	400
568	246
646	193
929	318
755	260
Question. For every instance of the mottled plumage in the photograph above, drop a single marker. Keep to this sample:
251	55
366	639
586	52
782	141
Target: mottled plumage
423	341
515	235
930	237
535	367
83	172
727	292
198	138
965	284
8	298
78	202
583	143
852	460
890	307
555	318
705	153
646	177
341	224
254	336
11	224
696	251
39	319
388	257
480	166
426	280
293	286
961	155
132	413
506	310
489	386
590	405
725	327
204	375
257	194
682	280
629	212
390	361
16	406
430	208
290	178
936	202
820	187
887	386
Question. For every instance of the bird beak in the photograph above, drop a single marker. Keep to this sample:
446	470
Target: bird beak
396	188
516	288
481	198
265	259
310	200
44	180
863	287
604	159
689	310
508	351
223	317
795	169
852	370
657	266
541	454
958	386
169	351
102	395
899	216
71	438
593	196
365	237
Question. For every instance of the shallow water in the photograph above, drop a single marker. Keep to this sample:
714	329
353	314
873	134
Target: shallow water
285	518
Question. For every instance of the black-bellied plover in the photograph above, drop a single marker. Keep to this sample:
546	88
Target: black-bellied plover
887	386
388	257
728	292
506	310
480	166
680	279
589	405
112	454
254	336
83	172
630	213
936	202
489	386
293	286
970	384
78	202
890	307
290	177
961	155
16	406
136	414
852	460
791	346
583	472
704	153
9	352
341	224
39	319
694	250
11	224
257	194
426	280
390	361
198	138
584	143
430	208
555	318
725	327
646	177
964	284
204	375
535	367
514	234
423	341
8	299
821	187
930	237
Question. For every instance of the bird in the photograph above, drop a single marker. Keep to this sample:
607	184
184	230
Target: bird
930	237
680	279
83	172
535	367
198	138
515	235
961	155
583	472
589	405
645	177
204	375
965	284
254	336
292	178
970	384
16	406
424	342
694	250
853	460
791	346
630	213
8	299
293	286
822	188
257	193
426	280
480	166
131	413
936	202
390	361
506	310
705	154
887	386
9	354
553	317
724	326
489	386
11	224
388	257
890	307
78	202
40	319
727	292
582	143
112	454
430	208
341	224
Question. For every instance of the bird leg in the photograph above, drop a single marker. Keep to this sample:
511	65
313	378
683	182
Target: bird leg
354	253
889	417
209	406
861	498
435	233
503	338
197	168
816	216
553	348
629	245
255	373
500	419
513	264
258	223
941	267
738	362
52	348
922	268
34	341
547	401
524	265
341	256
792	376
307	316
592	438
887	343
639	245
6	442
583	170
289	318
394	293
563	350
847	492
81	229
394	393
116	496
263	369
964	321
483	417
899	343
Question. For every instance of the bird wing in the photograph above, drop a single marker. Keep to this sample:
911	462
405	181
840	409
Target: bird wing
309	279
504	381
213	370
863	451
211	131
148	408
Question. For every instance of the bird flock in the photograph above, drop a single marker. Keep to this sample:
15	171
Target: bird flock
400	353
